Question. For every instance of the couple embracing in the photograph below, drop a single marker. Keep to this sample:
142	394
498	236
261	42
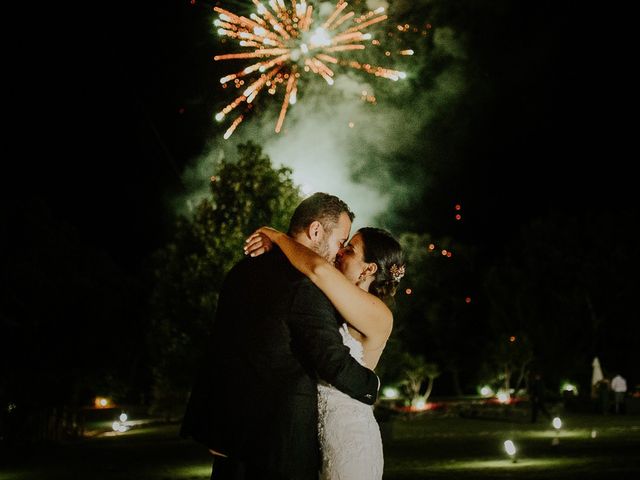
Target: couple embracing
287	388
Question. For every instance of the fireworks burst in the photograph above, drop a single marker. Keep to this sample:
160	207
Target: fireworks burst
288	40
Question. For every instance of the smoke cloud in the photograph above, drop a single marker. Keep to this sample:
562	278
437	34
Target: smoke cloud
338	141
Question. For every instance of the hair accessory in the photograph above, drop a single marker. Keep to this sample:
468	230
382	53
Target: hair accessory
397	272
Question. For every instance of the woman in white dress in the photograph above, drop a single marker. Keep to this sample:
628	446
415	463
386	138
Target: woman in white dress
360	285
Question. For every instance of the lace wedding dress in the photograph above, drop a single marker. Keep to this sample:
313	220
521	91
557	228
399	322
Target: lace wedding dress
349	434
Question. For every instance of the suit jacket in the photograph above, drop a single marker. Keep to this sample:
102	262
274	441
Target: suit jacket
274	335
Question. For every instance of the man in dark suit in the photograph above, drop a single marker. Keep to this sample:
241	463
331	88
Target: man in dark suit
275	334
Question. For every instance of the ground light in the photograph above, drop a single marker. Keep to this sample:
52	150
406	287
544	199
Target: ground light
486	391
570	388
121	425
510	448
419	404
503	396
390	392
557	424
102	402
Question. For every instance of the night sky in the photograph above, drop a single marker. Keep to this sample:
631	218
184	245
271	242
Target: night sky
108	104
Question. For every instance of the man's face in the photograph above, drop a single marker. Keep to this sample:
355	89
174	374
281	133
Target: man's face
333	241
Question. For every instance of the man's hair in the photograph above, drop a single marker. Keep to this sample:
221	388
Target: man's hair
322	207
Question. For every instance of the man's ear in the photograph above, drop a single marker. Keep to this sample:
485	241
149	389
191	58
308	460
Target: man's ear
315	231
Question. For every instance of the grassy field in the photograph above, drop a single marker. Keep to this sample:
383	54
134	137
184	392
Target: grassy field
430	446
586	447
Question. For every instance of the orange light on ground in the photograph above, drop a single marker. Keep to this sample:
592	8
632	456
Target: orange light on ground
458	207
449	254
458	217
512	339
467	300
444	253
408	291
503	397
419	405
432	246
102	402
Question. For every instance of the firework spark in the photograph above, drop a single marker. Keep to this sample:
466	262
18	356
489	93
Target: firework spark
286	45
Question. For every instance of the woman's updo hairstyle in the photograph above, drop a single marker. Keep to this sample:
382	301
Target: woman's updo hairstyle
385	251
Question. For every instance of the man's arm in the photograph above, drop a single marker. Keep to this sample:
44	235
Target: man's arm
314	330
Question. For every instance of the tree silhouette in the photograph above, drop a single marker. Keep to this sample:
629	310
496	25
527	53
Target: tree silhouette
246	192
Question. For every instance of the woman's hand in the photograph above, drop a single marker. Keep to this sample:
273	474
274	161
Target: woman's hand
261	241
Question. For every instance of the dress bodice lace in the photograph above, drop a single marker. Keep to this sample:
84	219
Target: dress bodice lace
355	347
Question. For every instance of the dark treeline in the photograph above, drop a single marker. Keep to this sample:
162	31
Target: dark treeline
72	325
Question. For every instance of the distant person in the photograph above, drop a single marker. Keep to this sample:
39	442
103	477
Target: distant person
364	279
275	335
536	397
619	387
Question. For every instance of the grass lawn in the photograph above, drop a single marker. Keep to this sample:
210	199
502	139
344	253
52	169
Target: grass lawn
588	446
430	446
